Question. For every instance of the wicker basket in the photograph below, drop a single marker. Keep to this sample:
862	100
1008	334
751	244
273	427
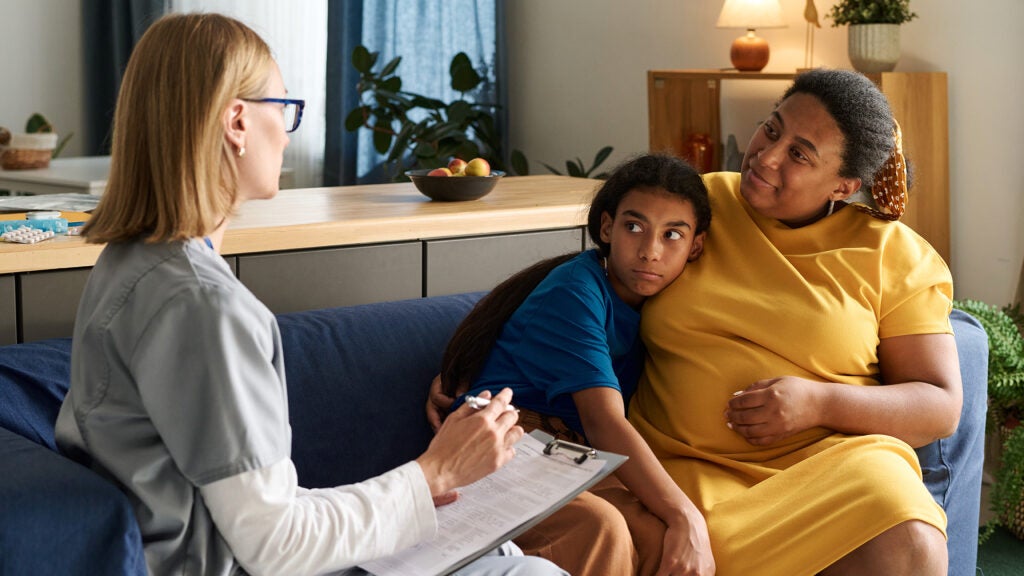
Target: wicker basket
28	151
22	159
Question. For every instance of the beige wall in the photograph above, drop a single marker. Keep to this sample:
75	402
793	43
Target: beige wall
41	65
578	82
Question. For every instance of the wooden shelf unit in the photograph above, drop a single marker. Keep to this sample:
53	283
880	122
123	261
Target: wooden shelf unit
684	102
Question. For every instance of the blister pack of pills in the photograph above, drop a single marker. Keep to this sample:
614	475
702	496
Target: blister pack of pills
55	225
26	235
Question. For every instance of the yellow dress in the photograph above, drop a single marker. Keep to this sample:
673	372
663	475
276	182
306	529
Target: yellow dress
763	301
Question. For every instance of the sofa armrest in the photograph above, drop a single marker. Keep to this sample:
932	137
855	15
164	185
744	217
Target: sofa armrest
952	467
358	379
59	517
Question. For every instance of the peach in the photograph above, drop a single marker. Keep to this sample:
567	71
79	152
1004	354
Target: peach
457	166
478	167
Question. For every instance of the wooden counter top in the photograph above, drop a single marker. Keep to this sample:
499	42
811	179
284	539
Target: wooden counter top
349	215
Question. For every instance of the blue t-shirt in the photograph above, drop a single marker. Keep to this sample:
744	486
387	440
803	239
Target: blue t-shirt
571	333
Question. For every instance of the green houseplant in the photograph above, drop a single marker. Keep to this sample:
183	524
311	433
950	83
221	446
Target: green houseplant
850	12
874	31
413	130
1004	327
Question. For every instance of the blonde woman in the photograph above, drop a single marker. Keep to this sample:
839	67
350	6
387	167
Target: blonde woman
177	387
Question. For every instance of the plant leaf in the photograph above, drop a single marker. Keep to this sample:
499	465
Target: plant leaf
390	67
602	155
459	111
424	151
401	142
424	102
551	168
519	163
381	141
362	60
442	130
354	120
467	150
37	123
464	77
485	127
60	145
393	97
393	84
574	169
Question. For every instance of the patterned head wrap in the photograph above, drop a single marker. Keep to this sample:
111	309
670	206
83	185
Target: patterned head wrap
889	190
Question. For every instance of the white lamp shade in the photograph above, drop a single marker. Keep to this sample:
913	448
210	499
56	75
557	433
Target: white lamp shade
751	14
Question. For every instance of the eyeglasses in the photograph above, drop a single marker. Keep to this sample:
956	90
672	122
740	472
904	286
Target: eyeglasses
292	110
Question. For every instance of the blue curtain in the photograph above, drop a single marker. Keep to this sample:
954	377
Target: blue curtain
426	34
110	29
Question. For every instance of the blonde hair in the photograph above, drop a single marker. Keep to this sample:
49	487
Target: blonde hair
173	174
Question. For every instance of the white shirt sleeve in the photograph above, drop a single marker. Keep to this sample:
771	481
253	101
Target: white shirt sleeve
274	526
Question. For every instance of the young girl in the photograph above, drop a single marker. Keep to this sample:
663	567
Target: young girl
563	335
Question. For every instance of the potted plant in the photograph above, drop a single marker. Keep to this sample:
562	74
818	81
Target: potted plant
418	131
32	148
874	31
1004	327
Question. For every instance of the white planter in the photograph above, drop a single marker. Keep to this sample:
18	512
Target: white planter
874	47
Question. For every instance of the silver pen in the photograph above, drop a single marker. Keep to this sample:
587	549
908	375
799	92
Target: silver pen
478	403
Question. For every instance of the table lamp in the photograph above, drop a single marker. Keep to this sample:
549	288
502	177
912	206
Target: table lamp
749	52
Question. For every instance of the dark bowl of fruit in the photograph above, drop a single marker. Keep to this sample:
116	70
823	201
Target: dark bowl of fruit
460	181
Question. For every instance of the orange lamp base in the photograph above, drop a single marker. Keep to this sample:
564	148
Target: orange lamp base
749	53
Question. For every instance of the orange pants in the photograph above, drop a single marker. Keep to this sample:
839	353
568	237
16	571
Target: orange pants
605	531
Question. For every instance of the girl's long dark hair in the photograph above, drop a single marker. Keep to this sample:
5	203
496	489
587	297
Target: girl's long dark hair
472	342
473	339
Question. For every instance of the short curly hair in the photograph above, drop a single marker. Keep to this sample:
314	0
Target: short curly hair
862	113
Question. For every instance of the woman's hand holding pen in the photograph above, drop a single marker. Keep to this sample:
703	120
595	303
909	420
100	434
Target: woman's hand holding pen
470	444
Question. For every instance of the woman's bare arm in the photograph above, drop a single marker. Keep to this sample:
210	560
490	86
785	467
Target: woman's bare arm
919	402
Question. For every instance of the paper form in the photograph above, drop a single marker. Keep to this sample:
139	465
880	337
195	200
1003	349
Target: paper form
489	511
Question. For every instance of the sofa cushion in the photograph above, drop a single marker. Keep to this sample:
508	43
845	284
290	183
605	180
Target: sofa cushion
34	378
58	517
357	384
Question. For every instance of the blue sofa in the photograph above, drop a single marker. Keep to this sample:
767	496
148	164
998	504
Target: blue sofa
357	380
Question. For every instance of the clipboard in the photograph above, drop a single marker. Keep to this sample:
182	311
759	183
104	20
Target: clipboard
546	473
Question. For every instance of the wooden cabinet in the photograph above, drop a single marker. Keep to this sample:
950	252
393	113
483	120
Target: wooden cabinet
460	265
684	102
296	280
8	311
311	279
49	302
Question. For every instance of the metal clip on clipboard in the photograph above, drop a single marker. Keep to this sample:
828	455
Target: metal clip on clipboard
583	452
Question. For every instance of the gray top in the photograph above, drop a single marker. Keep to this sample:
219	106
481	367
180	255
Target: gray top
177	380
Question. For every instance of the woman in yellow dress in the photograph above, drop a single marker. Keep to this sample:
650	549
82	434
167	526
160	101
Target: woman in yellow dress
809	350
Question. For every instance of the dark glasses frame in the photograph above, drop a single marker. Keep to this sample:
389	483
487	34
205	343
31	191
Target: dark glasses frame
299	106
